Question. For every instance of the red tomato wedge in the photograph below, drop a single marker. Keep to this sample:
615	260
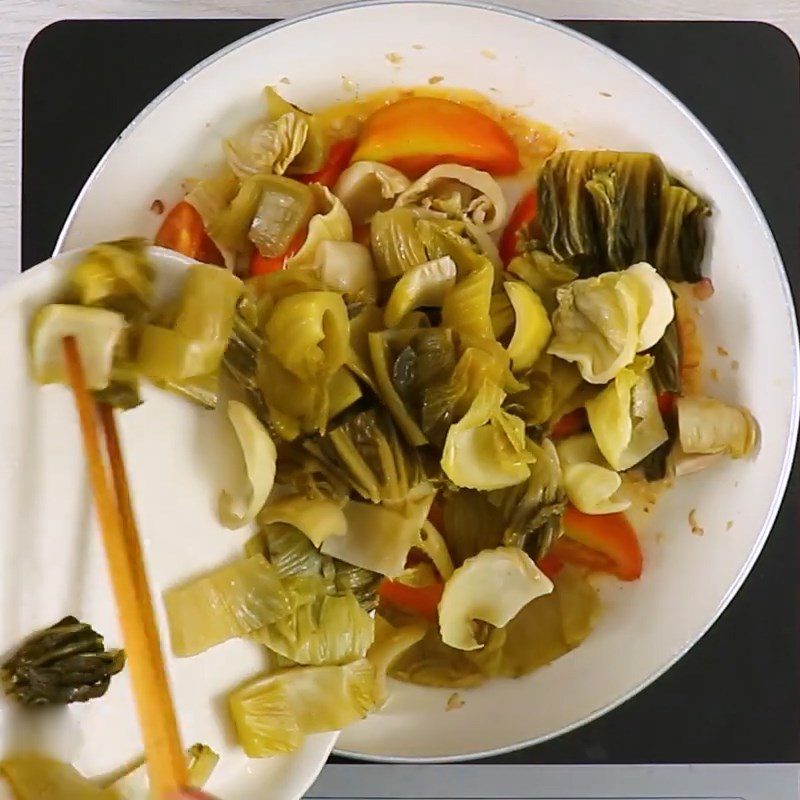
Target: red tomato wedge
183	231
568	551
574	422
518	225
417	133
422	600
550	564
261	265
666	403
339	157
600	542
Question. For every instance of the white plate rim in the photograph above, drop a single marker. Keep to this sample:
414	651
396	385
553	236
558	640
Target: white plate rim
743	187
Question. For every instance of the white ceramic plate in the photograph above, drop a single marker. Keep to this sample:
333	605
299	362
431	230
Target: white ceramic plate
52	561
578	86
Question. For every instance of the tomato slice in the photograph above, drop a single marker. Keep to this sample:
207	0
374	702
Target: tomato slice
414	134
574	422
339	157
568	551
422	600
518	225
261	265
601	542
183	231
666	403
550	564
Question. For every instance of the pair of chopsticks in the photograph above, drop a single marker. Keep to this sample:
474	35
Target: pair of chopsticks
166	759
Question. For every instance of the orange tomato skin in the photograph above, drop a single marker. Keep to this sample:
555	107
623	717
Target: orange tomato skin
183	231
339	157
523	215
261	265
417	133
574	422
600	542
422	600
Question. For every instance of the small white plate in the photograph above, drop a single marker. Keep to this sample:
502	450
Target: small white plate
598	100
52	562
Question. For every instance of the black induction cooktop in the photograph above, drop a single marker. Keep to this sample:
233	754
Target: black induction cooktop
735	697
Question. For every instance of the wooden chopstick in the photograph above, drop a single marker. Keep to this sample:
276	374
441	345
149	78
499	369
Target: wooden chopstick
166	759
